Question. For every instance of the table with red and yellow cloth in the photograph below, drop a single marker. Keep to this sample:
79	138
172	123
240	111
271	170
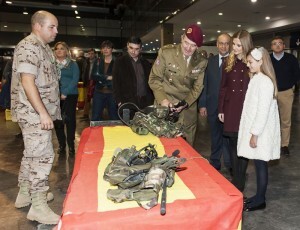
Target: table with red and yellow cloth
201	198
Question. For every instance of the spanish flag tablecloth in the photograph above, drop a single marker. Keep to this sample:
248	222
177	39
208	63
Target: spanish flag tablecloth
201	198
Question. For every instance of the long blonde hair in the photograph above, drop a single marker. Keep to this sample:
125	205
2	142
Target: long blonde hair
246	41
266	67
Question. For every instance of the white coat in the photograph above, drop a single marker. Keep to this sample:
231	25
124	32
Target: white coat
260	117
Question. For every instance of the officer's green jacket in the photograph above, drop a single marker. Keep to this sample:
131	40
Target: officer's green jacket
172	79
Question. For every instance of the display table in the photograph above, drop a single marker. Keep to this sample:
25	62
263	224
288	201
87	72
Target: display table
201	198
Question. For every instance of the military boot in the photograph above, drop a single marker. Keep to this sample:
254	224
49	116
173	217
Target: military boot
40	211
23	198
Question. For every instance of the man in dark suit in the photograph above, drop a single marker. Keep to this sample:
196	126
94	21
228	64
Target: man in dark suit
130	76
208	103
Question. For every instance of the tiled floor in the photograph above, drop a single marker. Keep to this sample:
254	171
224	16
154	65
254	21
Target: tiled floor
283	195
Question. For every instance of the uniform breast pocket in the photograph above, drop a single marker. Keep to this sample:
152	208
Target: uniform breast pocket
171	72
192	77
171	75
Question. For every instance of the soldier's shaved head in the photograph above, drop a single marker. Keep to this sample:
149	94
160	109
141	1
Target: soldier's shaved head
40	17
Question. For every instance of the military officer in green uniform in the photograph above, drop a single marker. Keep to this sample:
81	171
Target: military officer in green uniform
177	77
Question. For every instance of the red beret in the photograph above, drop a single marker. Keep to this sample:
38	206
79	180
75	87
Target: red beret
195	34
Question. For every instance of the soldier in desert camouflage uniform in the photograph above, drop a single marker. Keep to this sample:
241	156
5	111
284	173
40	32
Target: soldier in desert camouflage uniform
35	104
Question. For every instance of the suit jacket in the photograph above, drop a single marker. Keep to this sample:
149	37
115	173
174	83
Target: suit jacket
212	80
125	81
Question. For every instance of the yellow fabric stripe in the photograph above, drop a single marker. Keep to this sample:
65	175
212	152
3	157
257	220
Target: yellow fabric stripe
123	137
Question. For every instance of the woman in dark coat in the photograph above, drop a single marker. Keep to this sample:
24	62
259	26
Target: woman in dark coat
233	89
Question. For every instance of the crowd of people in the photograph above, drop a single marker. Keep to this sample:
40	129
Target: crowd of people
245	92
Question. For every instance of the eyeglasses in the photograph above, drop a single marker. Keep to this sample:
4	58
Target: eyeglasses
223	43
277	43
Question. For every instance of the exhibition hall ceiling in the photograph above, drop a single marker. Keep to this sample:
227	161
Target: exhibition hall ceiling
144	18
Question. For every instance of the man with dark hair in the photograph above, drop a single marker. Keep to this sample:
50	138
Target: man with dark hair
130	76
287	74
177	78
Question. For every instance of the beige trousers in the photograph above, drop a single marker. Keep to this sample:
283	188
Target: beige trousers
285	104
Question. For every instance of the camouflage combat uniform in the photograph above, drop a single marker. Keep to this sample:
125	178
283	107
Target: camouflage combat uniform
33	57
172	79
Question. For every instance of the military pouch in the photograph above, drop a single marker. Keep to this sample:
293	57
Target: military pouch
146	198
139	130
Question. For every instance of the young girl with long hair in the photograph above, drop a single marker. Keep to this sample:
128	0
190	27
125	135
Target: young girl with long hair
259	133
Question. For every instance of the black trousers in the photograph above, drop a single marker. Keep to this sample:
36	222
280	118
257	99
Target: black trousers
68	111
219	143
239	165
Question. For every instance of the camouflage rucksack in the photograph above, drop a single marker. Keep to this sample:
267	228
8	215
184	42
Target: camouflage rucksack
140	175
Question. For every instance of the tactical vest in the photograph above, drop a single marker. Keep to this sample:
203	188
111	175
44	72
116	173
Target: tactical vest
140	175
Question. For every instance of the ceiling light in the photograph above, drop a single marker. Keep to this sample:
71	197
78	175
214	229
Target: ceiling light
8	2
183	28
268	18
77	16
175	12
25	12
151	42
146	44
203	35
76	12
5	26
239	25
253	0
219	31
161	21
220	13
156	40
198	23
73	6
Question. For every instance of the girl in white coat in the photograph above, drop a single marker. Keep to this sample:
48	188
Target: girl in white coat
259	132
